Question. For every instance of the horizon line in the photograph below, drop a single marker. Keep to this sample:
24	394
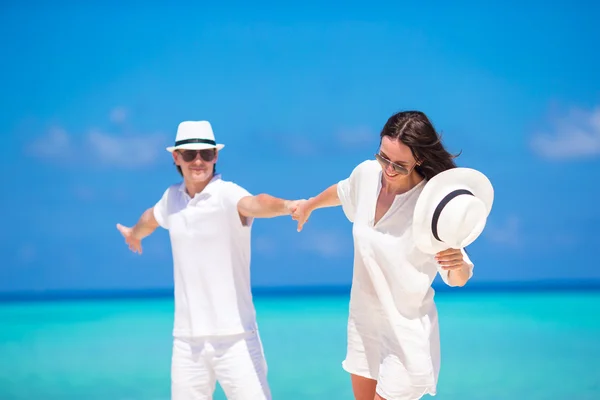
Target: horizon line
282	291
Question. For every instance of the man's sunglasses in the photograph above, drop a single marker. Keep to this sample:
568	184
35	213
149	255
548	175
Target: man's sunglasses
190	155
399	169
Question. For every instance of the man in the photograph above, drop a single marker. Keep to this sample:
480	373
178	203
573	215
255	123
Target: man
215	334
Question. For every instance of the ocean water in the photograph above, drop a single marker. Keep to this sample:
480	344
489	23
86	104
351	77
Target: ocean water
494	346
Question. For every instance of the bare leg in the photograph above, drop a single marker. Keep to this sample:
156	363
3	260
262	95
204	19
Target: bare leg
363	388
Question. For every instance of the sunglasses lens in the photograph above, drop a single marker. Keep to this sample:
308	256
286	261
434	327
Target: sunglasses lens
386	163
382	160
400	170
207	155
188	155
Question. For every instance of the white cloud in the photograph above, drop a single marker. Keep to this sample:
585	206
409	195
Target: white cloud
121	195
264	245
118	115
318	144
507	234
357	137
328	244
564	239
301	145
56	143
123	150
84	193
575	135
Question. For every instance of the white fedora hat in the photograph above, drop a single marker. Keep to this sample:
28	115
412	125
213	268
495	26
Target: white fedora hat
452	210
195	135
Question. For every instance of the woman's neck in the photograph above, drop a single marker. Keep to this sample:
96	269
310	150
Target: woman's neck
402	186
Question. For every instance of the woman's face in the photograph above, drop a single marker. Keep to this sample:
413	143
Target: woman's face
396	159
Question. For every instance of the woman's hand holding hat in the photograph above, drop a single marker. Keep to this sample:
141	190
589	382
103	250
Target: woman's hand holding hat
450	259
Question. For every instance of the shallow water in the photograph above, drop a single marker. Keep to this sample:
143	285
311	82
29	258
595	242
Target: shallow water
494	346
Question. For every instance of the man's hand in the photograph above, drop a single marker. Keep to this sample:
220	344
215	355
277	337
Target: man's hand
265	206
134	244
291	205
450	259
301	212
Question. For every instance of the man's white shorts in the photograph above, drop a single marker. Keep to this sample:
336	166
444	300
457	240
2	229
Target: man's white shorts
237	362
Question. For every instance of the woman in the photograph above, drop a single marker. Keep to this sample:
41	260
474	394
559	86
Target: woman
393	337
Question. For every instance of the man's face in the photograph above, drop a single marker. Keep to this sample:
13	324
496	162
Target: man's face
196	165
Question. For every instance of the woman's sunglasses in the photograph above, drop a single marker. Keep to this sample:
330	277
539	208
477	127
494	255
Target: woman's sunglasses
399	169
190	155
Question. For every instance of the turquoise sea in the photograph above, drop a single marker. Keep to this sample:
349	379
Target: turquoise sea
536	345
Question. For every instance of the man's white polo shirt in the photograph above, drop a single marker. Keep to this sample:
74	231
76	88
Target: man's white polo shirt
211	257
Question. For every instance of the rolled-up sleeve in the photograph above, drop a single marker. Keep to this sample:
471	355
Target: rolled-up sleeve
347	191
161	210
232	194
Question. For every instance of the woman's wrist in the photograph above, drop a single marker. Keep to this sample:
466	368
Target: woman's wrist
312	204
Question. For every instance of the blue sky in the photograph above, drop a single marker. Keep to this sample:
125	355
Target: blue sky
91	95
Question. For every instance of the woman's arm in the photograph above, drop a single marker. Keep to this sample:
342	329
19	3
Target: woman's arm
459	276
455	265
327	198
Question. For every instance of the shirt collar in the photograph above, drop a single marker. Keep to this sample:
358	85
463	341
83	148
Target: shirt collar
216	177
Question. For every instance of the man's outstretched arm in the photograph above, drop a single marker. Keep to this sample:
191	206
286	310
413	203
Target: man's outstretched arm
144	227
265	206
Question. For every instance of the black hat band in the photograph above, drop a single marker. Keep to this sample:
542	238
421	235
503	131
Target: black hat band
440	207
186	141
